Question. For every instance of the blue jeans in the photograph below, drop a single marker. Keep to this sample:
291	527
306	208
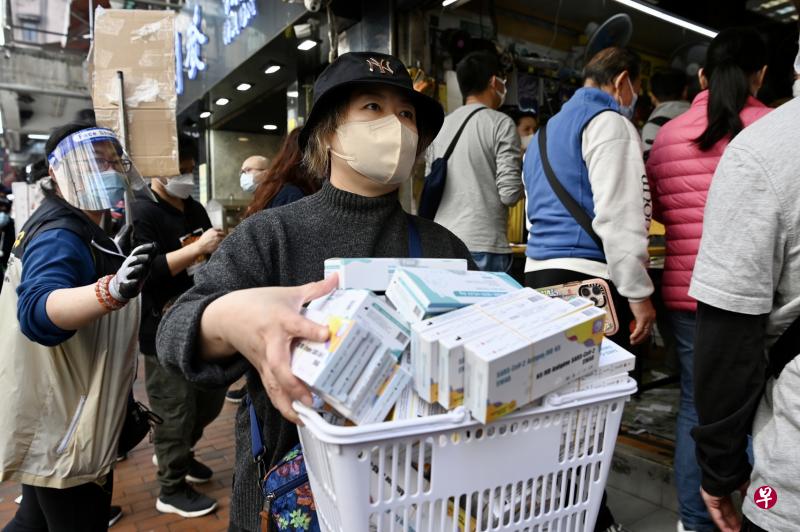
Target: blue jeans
691	508
492	262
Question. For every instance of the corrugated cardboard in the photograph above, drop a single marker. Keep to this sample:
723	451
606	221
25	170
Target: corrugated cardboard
141	44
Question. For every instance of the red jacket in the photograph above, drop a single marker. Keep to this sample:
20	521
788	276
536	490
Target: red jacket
680	176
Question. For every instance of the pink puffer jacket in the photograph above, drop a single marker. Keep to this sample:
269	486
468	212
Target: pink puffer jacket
680	176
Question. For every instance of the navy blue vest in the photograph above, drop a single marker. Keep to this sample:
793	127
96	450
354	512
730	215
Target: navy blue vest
554	232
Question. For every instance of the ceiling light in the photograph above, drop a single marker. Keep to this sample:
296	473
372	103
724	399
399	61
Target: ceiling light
38	136
244	139
205	114
222	101
270	127
293	94
307	45
243	87
672	19
446	3
271	69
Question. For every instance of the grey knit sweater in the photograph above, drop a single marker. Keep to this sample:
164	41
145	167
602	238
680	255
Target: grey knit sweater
285	246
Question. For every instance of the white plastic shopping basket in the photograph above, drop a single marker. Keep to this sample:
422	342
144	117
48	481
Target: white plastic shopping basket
541	469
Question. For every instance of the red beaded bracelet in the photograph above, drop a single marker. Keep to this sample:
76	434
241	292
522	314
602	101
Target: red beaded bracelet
104	296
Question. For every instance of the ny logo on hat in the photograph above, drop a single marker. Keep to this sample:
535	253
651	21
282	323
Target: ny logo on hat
382	65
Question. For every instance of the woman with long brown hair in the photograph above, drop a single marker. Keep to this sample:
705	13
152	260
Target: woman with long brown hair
285	181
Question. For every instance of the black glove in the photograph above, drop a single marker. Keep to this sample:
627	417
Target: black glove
129	279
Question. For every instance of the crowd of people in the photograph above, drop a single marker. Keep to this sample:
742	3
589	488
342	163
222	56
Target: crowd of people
83	296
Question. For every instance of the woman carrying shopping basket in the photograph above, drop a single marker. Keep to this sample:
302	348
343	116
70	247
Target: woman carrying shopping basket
362	136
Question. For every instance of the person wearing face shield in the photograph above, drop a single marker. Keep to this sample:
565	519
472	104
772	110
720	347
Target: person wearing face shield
484	170
70	312
185	238
251	172
365	131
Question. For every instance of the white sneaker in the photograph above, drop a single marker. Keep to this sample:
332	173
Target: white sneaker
681	528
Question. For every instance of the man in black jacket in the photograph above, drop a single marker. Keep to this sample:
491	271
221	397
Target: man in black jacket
182	230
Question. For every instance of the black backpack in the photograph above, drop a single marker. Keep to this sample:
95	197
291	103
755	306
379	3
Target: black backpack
436	180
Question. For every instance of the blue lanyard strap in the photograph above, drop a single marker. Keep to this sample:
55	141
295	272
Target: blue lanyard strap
414	242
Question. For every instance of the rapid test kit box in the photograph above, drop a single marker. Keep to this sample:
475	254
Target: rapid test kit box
376	273
418	293
357	370
517	315
613	367
425	338
510	371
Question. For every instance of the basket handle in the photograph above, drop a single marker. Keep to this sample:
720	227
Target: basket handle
628	387
327	432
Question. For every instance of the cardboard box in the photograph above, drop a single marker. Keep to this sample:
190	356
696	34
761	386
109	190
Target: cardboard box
520	315
509	372
370	311
418	293
425	335
141	44
376	273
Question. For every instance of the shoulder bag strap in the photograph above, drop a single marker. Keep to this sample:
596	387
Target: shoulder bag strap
414	241
564	197
453	143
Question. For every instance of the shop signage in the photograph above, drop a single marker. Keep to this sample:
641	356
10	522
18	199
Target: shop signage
195	40
238	15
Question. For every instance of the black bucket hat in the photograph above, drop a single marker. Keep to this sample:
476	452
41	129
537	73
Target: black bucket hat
368	68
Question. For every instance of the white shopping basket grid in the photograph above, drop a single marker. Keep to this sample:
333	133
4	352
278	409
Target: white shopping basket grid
541	469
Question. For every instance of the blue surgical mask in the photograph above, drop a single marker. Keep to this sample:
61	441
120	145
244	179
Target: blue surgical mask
4	219
114	183
247	182
628	110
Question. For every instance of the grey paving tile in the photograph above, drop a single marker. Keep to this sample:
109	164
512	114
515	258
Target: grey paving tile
659	521
628	509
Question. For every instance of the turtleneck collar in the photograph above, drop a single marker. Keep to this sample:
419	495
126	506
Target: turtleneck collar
348	203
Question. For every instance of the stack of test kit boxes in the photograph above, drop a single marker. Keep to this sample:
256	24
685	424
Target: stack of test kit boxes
418	293
358	370
612	369
505	353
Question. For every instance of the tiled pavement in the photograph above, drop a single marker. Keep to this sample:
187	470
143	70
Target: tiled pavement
136	488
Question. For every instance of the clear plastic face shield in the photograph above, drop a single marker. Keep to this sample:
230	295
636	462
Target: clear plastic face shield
93	172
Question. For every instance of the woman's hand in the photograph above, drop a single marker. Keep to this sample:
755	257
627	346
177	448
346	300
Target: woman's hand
261	324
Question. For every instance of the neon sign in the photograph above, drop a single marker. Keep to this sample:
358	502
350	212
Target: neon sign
238	15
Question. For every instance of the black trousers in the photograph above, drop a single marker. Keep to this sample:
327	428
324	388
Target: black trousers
544	278
84	508
749	526
186	411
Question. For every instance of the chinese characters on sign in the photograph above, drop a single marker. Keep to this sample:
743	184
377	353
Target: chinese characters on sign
195	40
765	497
238	14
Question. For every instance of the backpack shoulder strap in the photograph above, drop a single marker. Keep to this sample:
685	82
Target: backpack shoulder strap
453	143
564	197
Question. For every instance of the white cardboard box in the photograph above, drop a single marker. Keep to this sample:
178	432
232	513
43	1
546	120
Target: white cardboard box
376	273
370	311
521	315
418	293
504	374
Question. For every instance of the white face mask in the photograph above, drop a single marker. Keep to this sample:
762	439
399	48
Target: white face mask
628	110
247	181
526	140
180	186
502	94
383	150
